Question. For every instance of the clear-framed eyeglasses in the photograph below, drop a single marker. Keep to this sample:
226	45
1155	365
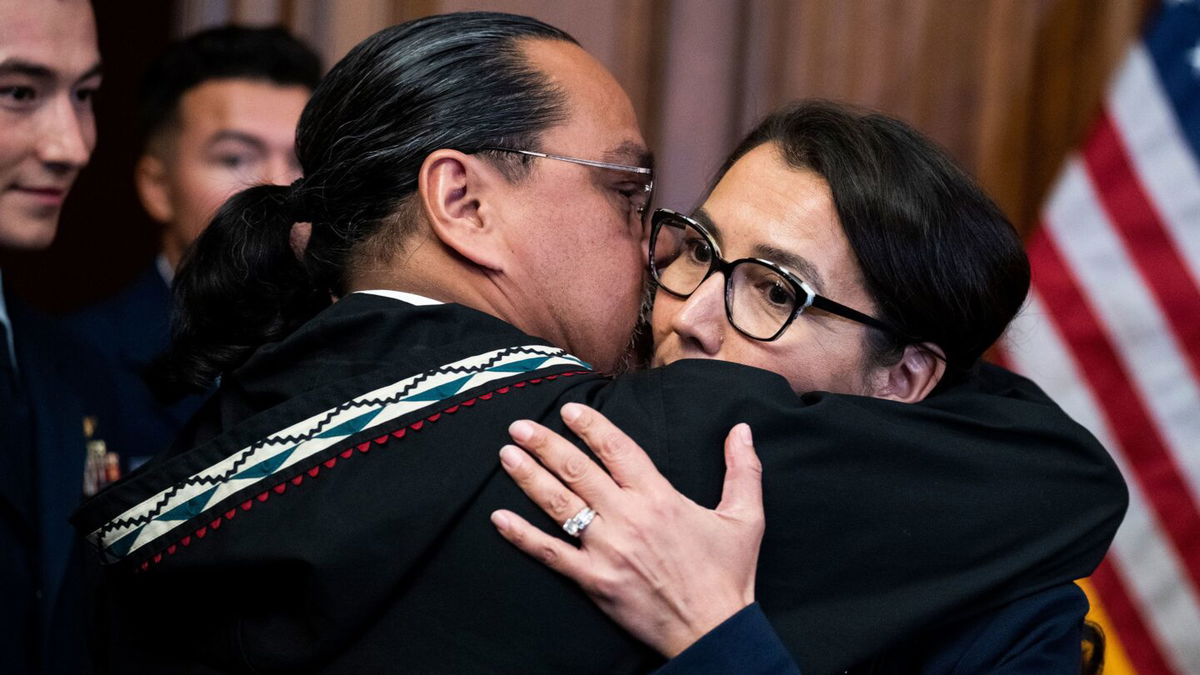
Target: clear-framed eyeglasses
762	298
640	193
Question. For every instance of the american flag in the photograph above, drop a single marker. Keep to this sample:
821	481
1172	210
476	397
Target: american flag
1112	332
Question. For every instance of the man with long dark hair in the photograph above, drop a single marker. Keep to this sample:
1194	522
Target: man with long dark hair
465	249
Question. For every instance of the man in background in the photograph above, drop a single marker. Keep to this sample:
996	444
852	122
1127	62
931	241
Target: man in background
49	70
217	113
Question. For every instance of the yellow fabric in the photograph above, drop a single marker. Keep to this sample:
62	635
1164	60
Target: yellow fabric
1116	661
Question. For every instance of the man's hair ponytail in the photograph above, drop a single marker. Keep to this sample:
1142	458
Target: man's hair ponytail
241	286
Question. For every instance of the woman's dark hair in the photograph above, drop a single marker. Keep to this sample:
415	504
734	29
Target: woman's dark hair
450	81
940	259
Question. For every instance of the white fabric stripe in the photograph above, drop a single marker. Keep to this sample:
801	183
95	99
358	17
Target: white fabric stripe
1158	151
410	298
1153	573
1144	341
308	448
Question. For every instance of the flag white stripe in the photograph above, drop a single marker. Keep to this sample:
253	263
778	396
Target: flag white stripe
1153	573
1144	341
1158	151
1038	352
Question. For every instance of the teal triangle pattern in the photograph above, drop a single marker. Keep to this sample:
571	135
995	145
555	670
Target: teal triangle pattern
120	548
585	364
266	467
352	426
189	509
441	391
522	366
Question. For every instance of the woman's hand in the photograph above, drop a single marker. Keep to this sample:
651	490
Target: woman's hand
663	567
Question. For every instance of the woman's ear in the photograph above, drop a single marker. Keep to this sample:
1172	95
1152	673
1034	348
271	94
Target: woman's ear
914	376
455	188
150	178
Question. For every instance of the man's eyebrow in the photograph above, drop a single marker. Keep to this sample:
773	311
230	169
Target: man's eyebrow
630	153
38	71
94	71
27	68
238	137
798	264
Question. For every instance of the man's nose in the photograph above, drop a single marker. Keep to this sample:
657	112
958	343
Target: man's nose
67	136
701	321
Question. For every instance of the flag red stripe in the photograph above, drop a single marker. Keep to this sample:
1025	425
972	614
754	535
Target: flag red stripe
1144	450
1140	226
1145	654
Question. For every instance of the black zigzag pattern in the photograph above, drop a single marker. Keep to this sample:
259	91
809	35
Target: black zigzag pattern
244	455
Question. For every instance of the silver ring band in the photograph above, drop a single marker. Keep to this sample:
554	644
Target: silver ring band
576	524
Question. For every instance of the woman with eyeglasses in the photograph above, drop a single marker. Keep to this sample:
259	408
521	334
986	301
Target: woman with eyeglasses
847	254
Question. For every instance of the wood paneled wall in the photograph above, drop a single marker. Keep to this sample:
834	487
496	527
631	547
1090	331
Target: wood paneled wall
1008	86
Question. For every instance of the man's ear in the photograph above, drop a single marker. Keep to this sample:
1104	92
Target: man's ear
914	376
150	177
454	189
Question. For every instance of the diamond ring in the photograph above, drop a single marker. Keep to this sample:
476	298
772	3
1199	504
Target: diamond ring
576	524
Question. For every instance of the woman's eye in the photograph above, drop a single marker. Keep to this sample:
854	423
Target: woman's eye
85	95
699	251
777	294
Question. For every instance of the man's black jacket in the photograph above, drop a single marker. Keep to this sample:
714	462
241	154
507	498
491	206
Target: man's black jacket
328	509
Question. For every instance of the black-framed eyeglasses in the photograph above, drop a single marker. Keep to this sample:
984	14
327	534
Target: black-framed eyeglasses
762	298
639	197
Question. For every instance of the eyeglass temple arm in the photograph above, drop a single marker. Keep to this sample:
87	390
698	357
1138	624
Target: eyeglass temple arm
823	303
575	160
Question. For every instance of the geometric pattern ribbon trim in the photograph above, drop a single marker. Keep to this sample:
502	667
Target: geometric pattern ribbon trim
259	462
183	538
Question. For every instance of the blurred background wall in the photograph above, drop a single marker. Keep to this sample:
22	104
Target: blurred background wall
1008	86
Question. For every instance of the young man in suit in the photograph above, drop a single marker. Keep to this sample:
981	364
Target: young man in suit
49	70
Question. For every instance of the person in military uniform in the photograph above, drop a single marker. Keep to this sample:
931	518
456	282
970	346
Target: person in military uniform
51	424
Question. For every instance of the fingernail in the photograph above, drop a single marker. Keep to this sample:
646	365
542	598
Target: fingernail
500	520
571	412
510	457
520	430
743	432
